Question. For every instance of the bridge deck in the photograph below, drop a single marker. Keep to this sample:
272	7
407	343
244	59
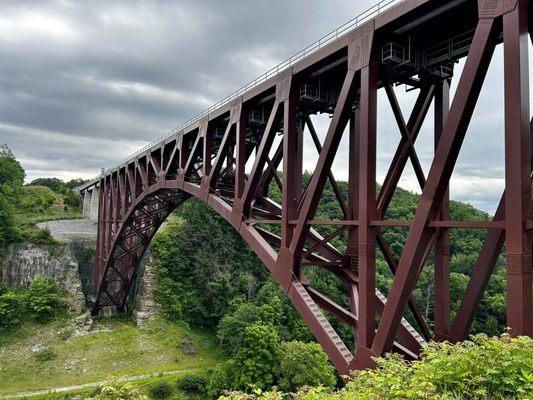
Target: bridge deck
429	21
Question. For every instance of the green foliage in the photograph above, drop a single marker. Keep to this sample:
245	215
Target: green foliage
208	277
44	355
45	300
484	368
11	180
22	206
117	391
304	364
221	379
11	309
39	199
204	266
54	184
57	185
257	357
232	327
192	384
43	237
160	390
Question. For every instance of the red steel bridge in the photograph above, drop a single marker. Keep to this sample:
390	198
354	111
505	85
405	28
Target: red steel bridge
230	155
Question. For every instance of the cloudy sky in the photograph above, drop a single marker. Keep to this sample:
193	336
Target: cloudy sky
84	84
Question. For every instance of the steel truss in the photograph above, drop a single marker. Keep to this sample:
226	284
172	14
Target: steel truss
209	160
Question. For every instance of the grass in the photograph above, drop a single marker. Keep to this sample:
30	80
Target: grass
41	204
118	348
141	385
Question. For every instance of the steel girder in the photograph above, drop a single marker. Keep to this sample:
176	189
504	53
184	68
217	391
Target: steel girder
209	162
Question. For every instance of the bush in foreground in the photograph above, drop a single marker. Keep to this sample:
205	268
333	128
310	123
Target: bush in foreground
483	368
160	390
304	364
192	384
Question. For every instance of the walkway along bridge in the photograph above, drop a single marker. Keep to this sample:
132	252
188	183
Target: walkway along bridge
411	42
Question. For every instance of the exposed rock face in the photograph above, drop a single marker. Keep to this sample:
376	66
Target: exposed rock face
25	261
145	306
71	267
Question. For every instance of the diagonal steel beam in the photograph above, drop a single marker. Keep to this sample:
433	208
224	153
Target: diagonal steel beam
406	135
419	237
318	180
479	278
331	177
401	156
260	160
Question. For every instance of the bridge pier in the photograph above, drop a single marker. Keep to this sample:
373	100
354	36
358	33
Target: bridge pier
90	203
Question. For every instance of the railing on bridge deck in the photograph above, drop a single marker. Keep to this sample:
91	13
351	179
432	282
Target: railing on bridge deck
360	19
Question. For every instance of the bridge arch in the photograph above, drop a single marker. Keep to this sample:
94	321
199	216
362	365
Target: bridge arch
263	126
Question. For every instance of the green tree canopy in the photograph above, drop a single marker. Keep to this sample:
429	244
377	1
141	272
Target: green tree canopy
257	357
304	364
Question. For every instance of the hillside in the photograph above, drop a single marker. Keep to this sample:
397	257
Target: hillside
58	354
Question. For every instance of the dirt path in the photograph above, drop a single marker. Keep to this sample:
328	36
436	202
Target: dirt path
64	389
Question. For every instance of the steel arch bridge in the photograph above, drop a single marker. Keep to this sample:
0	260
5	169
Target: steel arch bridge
230	155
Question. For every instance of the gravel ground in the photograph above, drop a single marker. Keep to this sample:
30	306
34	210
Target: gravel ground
71	228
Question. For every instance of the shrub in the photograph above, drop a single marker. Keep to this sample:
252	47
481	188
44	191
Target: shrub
221	379
45	354
116	391
38	199
11	309
45	300
43	237
483	368
71	200
160	390
257	356
304	364
192	384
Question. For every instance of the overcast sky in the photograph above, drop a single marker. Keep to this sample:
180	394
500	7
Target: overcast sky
84	84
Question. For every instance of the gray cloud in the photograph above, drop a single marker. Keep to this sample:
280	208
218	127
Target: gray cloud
83	84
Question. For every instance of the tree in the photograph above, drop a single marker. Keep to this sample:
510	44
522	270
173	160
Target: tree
257	357
11	181
11	309
55	184
44	299
232	327
304	364
11	172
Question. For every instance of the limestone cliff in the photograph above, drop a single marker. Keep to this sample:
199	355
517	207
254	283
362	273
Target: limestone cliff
67	265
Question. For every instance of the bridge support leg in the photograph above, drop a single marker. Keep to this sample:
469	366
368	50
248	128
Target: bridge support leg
517	171
442	242
367	211
353	207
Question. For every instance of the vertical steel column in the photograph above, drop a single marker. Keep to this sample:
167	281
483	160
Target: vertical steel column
353	207
207	151
517	171
100	235
240	154
292	167
367	205
107	220
442	242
